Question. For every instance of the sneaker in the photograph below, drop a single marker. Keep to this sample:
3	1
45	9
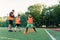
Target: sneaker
10	30
14	30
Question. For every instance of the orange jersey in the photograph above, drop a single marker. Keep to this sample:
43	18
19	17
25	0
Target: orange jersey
30	20
10	18
17	20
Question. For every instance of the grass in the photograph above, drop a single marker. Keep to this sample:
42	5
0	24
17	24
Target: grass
39	35
56	34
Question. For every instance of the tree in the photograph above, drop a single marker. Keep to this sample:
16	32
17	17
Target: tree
57	12
51	15
23	18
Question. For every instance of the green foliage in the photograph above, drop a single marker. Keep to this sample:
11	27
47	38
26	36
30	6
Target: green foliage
23	18
52	15
4	24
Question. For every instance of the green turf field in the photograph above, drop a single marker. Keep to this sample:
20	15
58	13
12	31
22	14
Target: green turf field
39	35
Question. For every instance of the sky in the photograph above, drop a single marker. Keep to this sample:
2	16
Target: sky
20	6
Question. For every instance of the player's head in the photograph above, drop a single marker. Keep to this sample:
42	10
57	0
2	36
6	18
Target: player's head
18	15
30	15
12	10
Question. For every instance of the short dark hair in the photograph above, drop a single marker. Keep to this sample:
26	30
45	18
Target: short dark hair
18	14
12	10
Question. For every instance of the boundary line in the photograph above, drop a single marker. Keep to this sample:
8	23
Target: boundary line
53	38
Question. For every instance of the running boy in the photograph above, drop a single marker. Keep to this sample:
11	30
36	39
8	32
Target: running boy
30	23
17	23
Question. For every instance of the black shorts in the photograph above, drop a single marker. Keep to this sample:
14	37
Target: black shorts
18	25
11	22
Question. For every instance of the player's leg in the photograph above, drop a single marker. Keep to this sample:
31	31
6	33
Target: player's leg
10	26
15	28
34	29
18	27
26	29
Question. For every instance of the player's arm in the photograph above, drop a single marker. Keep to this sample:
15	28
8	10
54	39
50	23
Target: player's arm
12	15
27	19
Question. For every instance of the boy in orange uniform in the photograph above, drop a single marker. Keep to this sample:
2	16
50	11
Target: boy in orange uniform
30	23
17	23
10	18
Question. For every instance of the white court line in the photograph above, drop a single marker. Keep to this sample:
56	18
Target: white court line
8	38
50	35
